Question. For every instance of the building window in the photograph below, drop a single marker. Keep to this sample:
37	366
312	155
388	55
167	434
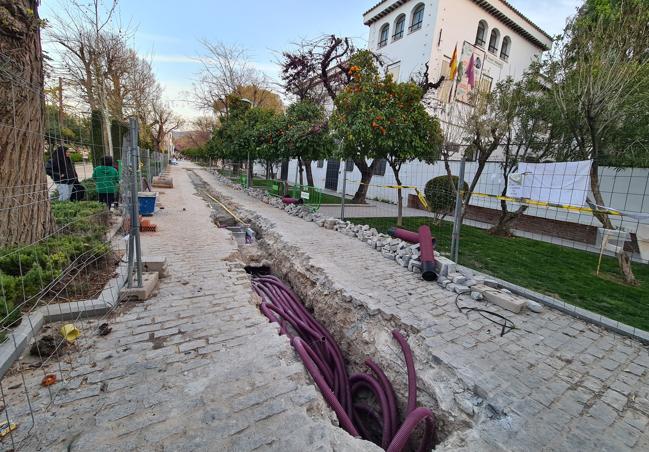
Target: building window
486	83
320	164
379	170
493	40
395	71
417	17
383	36
481	35
399	26
505	48
349	165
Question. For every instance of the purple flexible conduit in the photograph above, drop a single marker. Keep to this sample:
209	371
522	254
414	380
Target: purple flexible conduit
325	363
410	366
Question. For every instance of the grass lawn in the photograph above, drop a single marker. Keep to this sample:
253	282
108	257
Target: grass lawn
326	197
561	272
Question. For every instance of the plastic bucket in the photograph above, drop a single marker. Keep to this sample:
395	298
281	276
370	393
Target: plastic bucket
146	202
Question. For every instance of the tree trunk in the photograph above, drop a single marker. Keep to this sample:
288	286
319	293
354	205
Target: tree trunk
301	167
24	200
309	173
366	177
396	170
503	226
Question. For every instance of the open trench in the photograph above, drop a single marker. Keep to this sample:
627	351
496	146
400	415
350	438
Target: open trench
362	332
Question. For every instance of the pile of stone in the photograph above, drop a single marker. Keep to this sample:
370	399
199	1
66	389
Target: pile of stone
405	254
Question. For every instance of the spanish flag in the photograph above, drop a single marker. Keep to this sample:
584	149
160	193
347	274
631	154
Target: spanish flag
453	65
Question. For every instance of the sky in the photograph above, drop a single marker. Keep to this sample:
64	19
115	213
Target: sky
168	32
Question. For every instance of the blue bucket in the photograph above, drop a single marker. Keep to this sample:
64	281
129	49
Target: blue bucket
146	202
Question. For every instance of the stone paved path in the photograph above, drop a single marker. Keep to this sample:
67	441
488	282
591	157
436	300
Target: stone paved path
194	368
563	384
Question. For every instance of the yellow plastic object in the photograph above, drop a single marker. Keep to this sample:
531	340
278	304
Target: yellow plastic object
6	428
70	332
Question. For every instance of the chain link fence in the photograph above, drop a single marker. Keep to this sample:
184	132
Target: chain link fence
560	229
60	283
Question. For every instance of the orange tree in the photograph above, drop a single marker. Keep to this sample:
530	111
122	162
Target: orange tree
378	118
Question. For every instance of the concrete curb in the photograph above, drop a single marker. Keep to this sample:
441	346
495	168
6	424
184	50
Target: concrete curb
18	340
571	310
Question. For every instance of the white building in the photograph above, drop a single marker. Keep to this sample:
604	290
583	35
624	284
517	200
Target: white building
410	33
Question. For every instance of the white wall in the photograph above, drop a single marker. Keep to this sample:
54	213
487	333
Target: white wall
458	21
626	189
412	51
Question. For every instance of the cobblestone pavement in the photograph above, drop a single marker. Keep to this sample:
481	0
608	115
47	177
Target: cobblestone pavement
196	367
561	383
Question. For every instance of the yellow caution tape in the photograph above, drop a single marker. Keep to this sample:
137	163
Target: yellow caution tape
531	202
526	201
422	198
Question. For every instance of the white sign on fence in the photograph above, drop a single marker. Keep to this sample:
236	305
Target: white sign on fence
305	195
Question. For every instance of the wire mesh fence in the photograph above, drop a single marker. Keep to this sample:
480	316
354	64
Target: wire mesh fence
560	229
69	244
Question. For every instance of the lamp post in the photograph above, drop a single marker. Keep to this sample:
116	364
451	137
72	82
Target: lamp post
248	179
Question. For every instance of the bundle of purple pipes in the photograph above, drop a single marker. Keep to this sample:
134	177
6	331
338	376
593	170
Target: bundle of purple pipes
345	394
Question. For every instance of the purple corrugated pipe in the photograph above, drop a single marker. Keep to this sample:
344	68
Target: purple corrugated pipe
345	421
403	435
427	254
406	235
410	366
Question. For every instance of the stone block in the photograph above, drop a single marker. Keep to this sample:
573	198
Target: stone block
534	306
388	254
459	279
149	285
459	288
403	260
162	182
477	296
414	264
444	266
155	264
505	300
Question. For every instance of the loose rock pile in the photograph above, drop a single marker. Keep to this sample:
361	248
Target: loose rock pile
405	254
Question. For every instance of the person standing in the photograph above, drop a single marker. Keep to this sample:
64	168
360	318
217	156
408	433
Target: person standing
107	180
63	173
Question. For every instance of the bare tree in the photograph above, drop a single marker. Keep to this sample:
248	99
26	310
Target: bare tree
84	32
164	121
24	201
226	69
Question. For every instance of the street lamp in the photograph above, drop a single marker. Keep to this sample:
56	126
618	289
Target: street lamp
248	179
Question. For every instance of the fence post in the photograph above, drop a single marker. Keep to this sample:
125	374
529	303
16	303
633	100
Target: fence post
342	199
135	211
455	241
147	155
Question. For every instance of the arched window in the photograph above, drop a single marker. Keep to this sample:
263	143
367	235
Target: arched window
399	26
493	40
505	48
383	36
481	35
417	17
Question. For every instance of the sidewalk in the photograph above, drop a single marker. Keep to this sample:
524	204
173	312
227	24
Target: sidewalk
196	367
558	382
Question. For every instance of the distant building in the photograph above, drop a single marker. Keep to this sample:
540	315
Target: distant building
410	33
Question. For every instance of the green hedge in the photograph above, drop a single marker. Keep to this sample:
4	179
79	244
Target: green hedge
25	270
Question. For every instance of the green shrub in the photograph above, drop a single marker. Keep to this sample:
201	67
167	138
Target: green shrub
440	194
76	157
91	189
26	270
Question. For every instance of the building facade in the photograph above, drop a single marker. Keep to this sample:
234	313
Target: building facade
499	40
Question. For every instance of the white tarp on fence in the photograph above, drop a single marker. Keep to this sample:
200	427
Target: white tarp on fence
558	183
